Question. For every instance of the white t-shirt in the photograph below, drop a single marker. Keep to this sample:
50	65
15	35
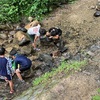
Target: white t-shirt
34	30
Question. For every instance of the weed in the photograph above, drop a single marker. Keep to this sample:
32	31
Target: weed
64	67
96	97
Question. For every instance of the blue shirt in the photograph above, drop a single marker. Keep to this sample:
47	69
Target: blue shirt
23	61
3	63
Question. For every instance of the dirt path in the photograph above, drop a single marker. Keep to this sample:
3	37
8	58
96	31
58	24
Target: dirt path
79	21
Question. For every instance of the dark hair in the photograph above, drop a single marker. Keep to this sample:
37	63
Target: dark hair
13	52
42	31
2	51
55	31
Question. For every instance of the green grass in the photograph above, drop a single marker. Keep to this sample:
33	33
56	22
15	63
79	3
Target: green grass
96	97
64	67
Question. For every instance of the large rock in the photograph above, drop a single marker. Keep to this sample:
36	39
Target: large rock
19	35
25	50
6	27
8	49
3	36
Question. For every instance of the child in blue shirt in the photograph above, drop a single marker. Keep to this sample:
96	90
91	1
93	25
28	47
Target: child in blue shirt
5	69
22	63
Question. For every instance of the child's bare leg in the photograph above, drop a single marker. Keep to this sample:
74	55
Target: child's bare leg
11	85
18	74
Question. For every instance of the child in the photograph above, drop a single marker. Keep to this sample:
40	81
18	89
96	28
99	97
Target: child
22	63
5	69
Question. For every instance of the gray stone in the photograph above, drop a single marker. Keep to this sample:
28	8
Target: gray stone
3	36
25	50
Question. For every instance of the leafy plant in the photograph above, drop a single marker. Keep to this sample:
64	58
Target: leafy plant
15	10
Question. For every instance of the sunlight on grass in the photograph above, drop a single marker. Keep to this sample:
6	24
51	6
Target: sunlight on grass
64	67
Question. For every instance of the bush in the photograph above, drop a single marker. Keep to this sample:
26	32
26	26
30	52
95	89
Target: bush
15	10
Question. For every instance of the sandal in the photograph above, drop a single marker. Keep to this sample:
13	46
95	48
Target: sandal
11	92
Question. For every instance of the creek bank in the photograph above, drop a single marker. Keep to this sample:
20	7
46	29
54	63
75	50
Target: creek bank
80	85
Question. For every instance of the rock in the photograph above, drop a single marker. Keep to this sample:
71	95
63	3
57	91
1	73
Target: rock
16	46
30	18
25	50
21	29
19	35
33	58
67	56
56	53
12	32
23	42
92	7
45	57
4	42
38	72
3	36
6	27
10	38
64	49
67	34
47	63
9	49
97	14
90	53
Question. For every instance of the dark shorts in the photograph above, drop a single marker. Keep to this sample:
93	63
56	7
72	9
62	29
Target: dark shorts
9	77
23	68
32	37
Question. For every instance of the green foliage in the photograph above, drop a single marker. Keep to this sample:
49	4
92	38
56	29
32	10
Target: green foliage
64	67
97	97
15	10
71	1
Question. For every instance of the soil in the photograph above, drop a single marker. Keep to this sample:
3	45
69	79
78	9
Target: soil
80	31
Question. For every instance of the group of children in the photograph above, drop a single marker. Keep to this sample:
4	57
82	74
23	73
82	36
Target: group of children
22	63
37	32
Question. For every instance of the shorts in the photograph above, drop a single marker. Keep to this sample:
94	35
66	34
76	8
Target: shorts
9	77
31	37
24	68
